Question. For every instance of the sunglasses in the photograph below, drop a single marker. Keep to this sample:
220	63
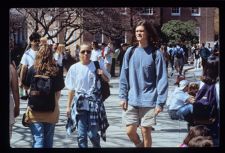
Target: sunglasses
85	51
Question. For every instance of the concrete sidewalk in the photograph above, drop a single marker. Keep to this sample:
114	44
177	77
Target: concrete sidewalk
167	133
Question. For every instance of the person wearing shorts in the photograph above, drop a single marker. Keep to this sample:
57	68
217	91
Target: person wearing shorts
143	85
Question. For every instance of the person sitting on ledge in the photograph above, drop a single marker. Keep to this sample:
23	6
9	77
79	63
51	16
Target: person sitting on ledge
180	105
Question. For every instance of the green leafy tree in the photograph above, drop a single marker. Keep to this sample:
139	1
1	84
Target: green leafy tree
180	31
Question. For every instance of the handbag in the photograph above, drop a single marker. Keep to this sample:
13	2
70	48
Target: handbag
105	89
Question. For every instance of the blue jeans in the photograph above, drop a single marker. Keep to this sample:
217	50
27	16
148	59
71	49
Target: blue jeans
85	129
42	134
185	113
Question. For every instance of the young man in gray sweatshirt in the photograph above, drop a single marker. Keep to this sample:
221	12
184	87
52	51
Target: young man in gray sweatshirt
143	84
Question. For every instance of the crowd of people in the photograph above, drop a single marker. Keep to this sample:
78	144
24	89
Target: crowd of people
143	87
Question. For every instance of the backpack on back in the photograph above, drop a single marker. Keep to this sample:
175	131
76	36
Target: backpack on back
179	53
171	53
41	97
204	53
205	107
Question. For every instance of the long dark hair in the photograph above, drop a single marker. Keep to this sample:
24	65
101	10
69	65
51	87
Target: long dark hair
211	74
153	37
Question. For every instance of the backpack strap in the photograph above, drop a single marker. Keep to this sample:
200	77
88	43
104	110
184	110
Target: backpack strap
154	57
97	66
41	76
131	52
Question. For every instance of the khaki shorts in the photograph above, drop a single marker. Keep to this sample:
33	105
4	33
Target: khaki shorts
140	116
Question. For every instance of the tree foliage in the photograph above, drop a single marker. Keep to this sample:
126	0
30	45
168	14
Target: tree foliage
50	22
180	31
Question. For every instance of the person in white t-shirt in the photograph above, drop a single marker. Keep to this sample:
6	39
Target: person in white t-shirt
108	57
96	52
28	57
58	56
81	81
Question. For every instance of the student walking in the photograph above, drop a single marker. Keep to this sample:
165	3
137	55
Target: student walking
143	84
42	120
179	59
28	58
196	54
85	107
204	53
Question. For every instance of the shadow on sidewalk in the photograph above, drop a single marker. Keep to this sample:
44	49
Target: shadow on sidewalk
175	130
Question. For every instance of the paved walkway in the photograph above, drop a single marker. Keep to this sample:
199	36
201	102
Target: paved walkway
168	133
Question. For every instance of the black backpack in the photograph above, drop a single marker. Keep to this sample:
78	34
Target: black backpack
41	96
105	89
205	108
179	53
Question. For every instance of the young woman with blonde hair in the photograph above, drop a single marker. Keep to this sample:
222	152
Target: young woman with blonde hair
42	123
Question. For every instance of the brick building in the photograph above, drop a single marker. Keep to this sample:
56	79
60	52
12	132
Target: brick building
207	19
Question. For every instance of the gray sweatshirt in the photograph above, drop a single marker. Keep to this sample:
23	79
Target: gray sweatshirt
143	82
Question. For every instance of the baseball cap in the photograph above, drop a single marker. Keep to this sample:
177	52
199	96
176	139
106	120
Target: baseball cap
183	84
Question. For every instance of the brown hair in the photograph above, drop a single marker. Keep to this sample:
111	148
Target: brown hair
199	130
44	63
201	141
153	37
211	74
60	48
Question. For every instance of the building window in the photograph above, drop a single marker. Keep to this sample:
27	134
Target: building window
195	11
175	11
147	11
124	11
